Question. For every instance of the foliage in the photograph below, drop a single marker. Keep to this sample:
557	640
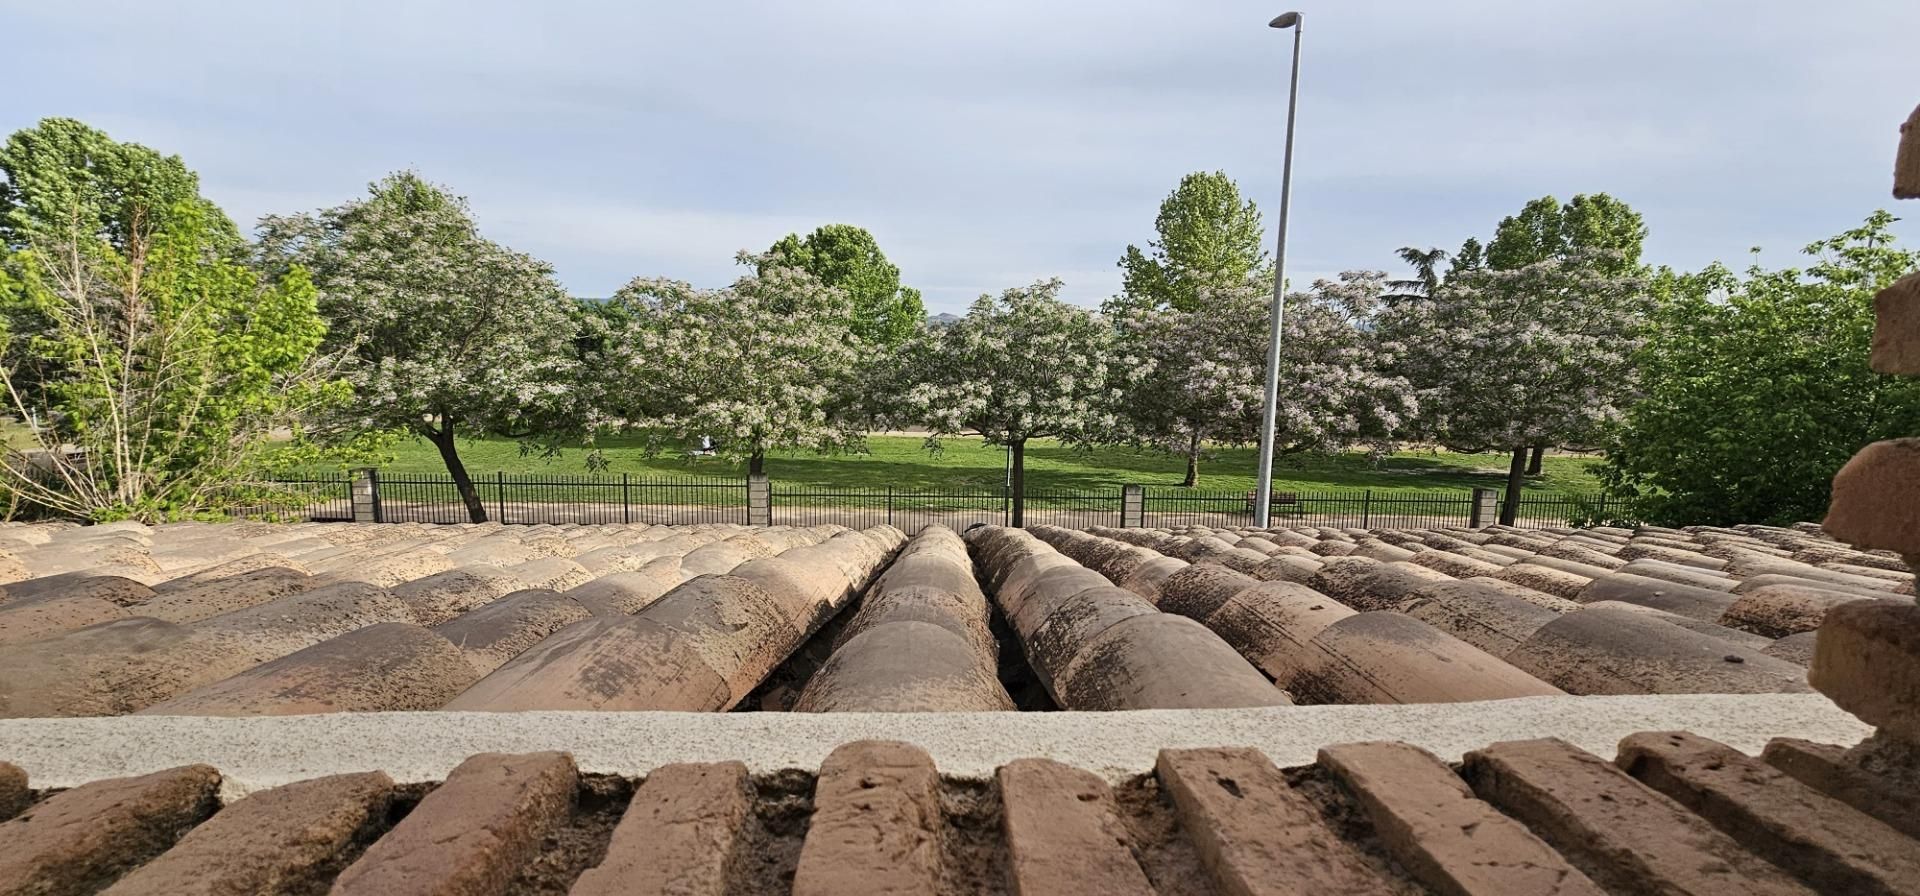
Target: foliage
1504	359
1208	239
444	331
63	176
163	368
1605	232
847	258
1757	388
766	364
1020	366
1199	374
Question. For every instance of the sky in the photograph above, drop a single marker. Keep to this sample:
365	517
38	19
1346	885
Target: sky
989	144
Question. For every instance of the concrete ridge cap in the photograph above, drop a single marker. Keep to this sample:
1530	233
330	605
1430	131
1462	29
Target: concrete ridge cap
258	752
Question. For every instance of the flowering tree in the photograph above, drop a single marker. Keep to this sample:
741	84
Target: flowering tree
1199	373
1507	359
767	363
1022	366
446	333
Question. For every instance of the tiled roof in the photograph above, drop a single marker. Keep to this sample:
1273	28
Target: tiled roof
260	619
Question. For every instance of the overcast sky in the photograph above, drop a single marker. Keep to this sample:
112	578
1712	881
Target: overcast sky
988	144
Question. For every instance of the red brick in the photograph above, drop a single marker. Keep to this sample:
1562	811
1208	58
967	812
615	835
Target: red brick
1824	841
876	823
80	840
14	795
1064	834
1254	833
1434	826
1622	834
1827	768
471	835
1867	658
284	840
1896	329
677	836
1876	498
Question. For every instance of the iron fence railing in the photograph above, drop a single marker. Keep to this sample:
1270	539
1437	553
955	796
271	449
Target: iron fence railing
590	499
316	497
532	500
907	509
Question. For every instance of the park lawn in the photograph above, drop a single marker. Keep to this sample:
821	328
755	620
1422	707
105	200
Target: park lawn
903	462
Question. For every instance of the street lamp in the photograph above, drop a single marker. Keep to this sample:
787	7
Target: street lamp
1263	491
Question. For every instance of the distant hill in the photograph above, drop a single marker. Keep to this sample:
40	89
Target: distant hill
942	319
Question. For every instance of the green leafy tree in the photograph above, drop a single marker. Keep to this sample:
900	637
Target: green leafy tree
1607	233
1209	238
1020	366
1757	387
847	258
63	176
161	370
1470	257
766	364
445	333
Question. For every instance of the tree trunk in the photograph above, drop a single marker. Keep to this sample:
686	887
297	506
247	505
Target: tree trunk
757	463
1018	448
1516	480
1193	462
1533	463
442	439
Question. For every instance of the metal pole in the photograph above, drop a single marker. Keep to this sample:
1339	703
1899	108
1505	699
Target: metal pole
1263	491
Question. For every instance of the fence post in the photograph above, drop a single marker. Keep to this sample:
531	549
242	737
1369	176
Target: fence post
889	503
626	499
366	495
759	500
500	496
1133	507
1486	506
1366	509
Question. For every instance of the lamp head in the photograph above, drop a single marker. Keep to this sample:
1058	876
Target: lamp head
1285	20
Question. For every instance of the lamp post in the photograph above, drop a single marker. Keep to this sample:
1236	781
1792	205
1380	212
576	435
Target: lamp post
1263	490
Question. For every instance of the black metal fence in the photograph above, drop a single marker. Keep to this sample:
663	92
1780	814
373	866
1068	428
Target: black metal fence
534	499
317	497
909	508
1364	509
905	508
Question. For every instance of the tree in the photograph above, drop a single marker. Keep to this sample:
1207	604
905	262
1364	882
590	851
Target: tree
1756	388
847	258
159	369
1020	366
1605	232
1208	238
768	363
63	176
446	333
1198	375
1508	359
1426	273
1600	231
1470	257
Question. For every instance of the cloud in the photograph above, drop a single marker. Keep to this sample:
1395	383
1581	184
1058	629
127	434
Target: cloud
991	143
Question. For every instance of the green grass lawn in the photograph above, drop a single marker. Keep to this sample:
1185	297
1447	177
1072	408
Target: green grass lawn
966	463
